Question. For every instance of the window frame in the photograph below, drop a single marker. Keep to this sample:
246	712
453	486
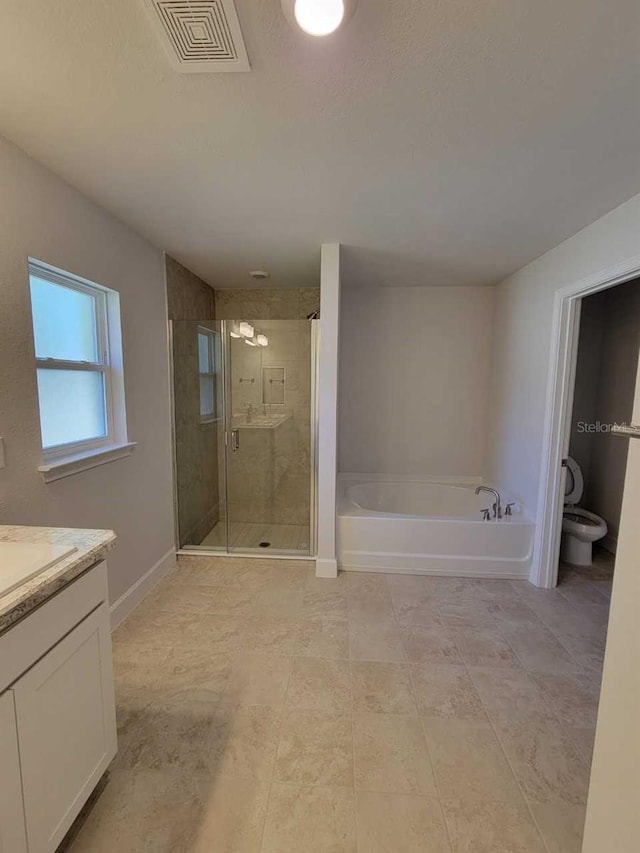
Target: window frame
103	365
210	334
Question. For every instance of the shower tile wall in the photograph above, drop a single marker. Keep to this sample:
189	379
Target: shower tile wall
270	482
191	301
267	304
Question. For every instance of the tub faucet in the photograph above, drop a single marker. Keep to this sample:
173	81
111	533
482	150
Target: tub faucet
497	506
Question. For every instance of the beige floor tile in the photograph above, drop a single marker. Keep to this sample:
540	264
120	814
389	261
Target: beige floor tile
148	811
574	696
233	815
318	684
413	608
583	740
315	748
173	735
279	602
332	585
243	741
202	690
444	690
382	688
484	647
318	603
307	818
370	603
433	644
538	649
197	666
513	612
275	635
391	755
510	694
467	614
400	823
491	827
202	599
561	825
323	638
468	761
545	761
258	679
381	641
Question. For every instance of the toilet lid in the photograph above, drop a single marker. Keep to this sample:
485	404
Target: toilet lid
574	484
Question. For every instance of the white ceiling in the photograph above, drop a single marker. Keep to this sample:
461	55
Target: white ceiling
442	141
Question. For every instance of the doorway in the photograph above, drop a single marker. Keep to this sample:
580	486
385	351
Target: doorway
560	409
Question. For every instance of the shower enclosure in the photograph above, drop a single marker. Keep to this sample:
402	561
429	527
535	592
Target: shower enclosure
244	435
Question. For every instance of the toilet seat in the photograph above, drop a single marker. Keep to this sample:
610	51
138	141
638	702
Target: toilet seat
574	483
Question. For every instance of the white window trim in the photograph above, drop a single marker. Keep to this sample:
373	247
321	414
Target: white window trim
65	460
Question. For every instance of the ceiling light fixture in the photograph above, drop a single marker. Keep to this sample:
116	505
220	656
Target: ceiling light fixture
318	17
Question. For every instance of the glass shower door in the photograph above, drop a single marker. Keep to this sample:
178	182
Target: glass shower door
269	369
199	434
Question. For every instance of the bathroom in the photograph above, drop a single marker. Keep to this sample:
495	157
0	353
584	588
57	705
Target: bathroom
605	376
281	580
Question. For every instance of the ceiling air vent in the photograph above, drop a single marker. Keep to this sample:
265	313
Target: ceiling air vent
199	35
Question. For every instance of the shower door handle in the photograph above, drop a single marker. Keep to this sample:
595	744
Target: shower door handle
235	439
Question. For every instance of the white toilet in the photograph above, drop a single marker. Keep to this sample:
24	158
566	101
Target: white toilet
580	528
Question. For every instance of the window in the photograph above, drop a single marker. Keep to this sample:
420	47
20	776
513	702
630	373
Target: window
74	367
207	350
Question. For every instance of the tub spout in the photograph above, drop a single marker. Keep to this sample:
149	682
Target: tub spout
497	506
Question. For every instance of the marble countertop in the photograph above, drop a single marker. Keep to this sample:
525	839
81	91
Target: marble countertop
91	546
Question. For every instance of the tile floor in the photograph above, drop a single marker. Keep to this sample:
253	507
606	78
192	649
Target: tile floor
262	709
248	535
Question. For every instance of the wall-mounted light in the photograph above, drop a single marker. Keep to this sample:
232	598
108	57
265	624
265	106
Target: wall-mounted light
234	331
318	17
246	329
251	342
262	340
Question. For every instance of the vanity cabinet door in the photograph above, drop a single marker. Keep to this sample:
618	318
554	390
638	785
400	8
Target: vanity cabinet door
65	713
12	831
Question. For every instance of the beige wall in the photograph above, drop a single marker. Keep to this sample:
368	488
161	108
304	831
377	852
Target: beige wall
42	217
414	377
605	381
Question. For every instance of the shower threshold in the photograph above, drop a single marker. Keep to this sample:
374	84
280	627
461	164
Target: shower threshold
251	537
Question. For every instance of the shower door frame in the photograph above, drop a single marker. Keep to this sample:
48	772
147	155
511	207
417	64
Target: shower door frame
203	550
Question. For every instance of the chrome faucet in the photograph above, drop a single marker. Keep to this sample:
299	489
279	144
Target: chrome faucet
497	506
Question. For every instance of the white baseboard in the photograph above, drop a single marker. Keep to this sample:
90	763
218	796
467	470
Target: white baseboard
326	568
133	596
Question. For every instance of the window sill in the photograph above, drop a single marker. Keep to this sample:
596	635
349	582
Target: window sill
66	466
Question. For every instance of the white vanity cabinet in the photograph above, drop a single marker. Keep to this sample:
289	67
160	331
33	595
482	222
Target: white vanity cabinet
13	838
58	708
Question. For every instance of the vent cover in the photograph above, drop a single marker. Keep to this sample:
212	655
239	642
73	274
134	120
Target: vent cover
199	35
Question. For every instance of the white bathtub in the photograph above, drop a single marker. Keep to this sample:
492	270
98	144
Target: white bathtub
431	528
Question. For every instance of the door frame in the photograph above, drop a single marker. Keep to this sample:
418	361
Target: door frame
558	406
